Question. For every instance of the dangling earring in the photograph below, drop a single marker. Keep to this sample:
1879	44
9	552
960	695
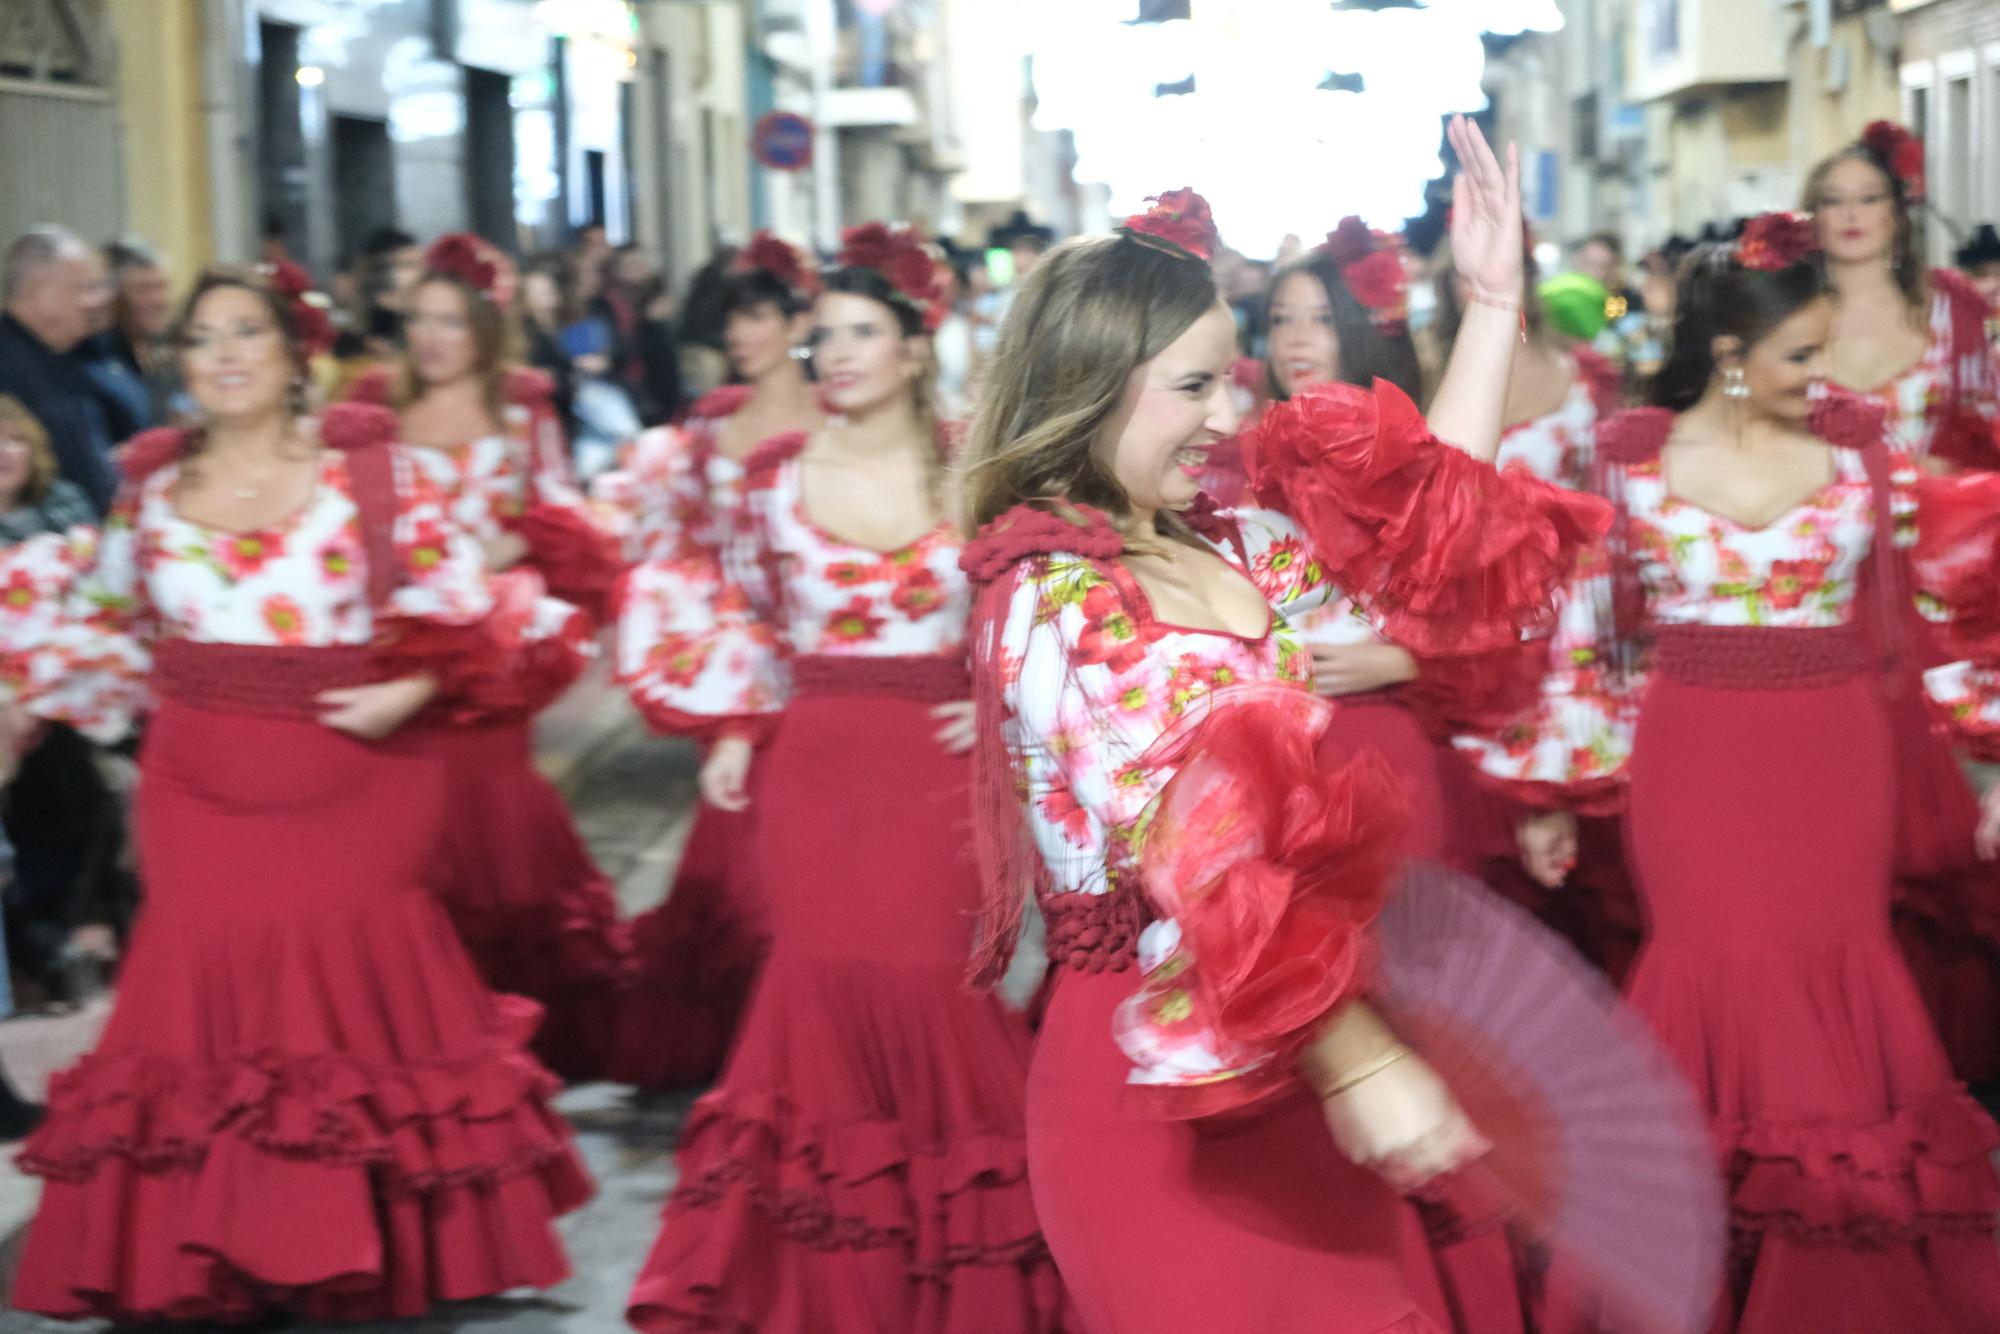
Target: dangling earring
1732	384
802	352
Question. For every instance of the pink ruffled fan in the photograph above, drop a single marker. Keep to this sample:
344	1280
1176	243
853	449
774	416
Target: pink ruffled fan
1599	1150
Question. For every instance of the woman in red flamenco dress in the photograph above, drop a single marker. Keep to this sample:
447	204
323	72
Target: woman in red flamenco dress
534	911
861	1165
1111	603
1738	669
680	492
304	1100
1914	340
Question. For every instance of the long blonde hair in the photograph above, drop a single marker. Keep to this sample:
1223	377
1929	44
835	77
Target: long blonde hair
1091	313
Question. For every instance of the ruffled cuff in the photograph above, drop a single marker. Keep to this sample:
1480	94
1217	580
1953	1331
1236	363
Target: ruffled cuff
1956	561
508	665
1968	442
1448	555
580	562
1478	690
1270	870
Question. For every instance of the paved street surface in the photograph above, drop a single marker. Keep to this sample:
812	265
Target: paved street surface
633	794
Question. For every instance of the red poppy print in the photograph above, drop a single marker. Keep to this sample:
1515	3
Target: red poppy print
243	554
426	550
678	659
918	595
1110	633
336	562
18	595
1059	807
1792	582
284	619
856	623
849	574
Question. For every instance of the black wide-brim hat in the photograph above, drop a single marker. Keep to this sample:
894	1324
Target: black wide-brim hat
1983	248
1017	229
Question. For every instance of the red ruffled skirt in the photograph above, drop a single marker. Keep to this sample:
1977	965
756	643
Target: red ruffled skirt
537	916
861	1167
1244	1225
304	1098
1863	1193
695	958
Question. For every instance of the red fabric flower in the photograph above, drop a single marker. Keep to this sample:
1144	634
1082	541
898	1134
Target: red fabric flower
1178	221
472	261
856	623
1382	285
766	253
917	595
1773	242
1348	242
1901	151
309	318
900	256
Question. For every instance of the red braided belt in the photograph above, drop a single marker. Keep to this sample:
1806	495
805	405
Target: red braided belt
1095	933
932	678
1757	657
268	680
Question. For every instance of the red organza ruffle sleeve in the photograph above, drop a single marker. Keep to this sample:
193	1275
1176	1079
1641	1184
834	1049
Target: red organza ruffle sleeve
1273	867
1449	555
580	562
1956	560
508	665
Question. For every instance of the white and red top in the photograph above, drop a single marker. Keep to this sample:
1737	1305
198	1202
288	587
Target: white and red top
1090	678
1946	404
1802	570
674	492
704	640
300	582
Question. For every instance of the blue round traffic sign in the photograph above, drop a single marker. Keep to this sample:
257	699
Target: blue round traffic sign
783	141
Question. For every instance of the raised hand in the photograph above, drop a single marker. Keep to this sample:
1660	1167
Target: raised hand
1486	241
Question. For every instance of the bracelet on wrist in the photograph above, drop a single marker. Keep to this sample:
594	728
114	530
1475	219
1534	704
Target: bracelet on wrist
1352	1078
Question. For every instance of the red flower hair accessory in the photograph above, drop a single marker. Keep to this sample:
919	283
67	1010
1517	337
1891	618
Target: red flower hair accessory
1901	151
767	253
310	320
476	263
1371	264
900	256
1179	222
1775	241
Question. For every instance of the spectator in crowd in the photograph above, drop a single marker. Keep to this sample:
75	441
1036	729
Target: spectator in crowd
391	264
53	295
1979	260
1025	242
70	894
142	310
591	249
704	313
547	308
635	305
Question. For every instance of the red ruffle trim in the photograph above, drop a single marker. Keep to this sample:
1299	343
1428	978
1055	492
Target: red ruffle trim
1957	559
376	385
348	426
489	670
425	1127
1482	691
149	451
580	562
1450	555
1968	442
763	462
1597	797
1847	420
726	401
1027	531
1634	437
1606	381
529	387
1928	1171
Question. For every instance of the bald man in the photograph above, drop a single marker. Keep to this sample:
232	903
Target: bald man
53	296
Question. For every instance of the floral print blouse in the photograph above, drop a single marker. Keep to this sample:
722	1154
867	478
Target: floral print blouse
1951	389
704	642
1695	567
300	581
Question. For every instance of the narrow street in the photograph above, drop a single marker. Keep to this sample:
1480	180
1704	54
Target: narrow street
632	794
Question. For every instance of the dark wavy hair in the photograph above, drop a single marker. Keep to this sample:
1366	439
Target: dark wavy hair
1905	263
1366	353
1719	298
759	287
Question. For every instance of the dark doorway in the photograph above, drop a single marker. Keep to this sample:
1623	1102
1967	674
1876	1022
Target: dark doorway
364	182
593	182
283	184
489	157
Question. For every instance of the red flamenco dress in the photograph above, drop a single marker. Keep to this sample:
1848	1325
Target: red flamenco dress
535	912
304	1100
1944	410
1190	1221
697	954
1744	685
861	1166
